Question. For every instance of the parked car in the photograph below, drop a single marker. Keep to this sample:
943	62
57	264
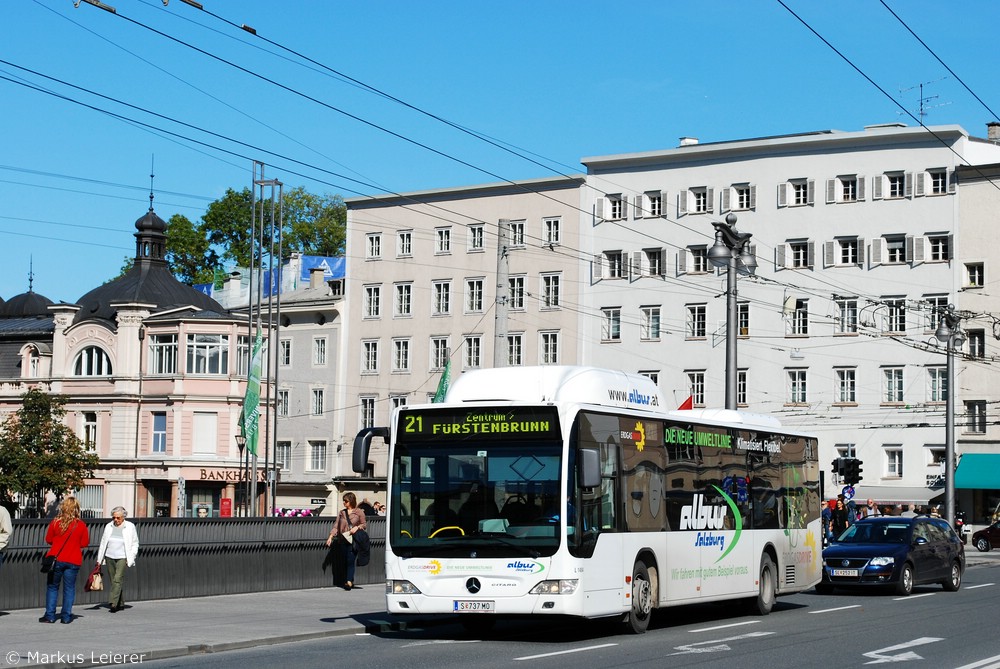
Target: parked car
894	552
987	538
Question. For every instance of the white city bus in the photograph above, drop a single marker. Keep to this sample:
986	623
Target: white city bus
572	491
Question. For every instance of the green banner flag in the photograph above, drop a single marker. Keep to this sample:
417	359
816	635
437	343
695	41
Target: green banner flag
251	401
442	388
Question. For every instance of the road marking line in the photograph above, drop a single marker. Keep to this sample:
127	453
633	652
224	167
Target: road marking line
983	664
981	585
880	656
903	599
564	652
721	627
839	608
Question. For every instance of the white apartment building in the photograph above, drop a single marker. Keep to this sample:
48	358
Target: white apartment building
482	276
859	236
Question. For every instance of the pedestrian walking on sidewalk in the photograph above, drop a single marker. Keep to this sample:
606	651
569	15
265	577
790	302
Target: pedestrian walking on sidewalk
349	521
6	529
119	547
67	536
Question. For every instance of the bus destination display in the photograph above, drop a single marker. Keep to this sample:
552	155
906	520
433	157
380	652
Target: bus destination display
479	423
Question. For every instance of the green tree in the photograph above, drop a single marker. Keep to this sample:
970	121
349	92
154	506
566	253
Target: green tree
189	253
39	453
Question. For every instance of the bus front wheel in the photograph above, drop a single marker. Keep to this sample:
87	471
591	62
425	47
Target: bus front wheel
768	586
637	619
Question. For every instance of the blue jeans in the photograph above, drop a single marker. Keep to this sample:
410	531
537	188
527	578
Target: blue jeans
63	573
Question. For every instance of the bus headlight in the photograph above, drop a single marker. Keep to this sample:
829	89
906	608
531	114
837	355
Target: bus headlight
881	561
566	586
400	588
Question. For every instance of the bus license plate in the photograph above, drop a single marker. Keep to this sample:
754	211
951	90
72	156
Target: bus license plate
468	606
845	572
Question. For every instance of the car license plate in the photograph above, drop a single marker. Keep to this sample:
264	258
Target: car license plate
477	606
844	572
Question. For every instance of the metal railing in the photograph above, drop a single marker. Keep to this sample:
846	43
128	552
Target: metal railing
195	557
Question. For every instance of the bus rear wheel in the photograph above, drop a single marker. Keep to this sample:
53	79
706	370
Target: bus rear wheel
768	586
637	619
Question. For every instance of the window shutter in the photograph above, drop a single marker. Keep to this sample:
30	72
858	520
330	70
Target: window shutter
625	207
908	248
782	195
908	184
600	205
861	188
878	247
640	201
779	256
951	247
682	266
725	200
682	203
877	187
811	254
919	250
811	192
709	200
952	181
663	205
597	268
753	197
861	252
635	267
663	262
828	259
831	191
920	183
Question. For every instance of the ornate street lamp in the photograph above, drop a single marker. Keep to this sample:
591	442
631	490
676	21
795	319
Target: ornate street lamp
949	332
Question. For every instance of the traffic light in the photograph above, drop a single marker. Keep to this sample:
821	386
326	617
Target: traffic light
852	470
838	466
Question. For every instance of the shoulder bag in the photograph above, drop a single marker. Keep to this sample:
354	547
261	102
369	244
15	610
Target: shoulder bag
49	561
95	581
362	543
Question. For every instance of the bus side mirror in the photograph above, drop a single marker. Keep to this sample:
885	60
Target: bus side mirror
362	446
588	468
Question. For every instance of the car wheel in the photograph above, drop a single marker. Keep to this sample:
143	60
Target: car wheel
983	546
905	584
953	583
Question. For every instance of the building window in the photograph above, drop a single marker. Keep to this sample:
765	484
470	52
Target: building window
91	499
516	292
653	263
848	188
848	251
549	348
404	300
439	353
699	260
550	291
207	354
895	316
473	352
396	401
609	265
937	384
374	247
846	386
616	207
442	298
319	351
369	359
318	397
895	249
476	241
401	355
285	352
741	387
551	231
975	275
936	305
696	384
939	248
743	319
317	455
515	349
893	388
473	295
163	354
92	361
898	186
649	326
243	355
516	229
654	203
696	321
373	301
90	430
367	407
404	243
797	386
847	315
743	196
612	326
795	254
282	403
159	442
975	412
798	319
977	343
893	462
442	240
283	455
939	182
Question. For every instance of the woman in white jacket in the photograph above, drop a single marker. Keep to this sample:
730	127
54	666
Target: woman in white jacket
119	546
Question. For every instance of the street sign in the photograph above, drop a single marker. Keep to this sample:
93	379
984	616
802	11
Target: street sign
848	492
318	500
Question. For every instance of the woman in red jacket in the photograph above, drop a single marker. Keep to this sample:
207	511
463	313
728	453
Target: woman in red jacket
68	536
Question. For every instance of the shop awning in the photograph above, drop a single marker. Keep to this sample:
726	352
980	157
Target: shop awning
980	471
890	494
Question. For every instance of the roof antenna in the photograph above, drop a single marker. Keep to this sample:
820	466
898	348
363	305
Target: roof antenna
31	272
152	162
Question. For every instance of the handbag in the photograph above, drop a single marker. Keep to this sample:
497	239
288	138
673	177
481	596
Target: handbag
95	581
49	561
361	541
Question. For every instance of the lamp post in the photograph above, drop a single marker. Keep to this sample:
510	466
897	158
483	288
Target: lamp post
732	251
949	332
241	443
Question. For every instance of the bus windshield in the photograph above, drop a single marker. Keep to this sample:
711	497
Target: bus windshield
481	491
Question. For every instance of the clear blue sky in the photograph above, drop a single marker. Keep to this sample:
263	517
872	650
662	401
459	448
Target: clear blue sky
560	79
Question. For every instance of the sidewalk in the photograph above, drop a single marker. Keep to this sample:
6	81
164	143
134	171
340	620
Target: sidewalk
175	627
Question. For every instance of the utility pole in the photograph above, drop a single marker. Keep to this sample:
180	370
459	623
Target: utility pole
502	294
